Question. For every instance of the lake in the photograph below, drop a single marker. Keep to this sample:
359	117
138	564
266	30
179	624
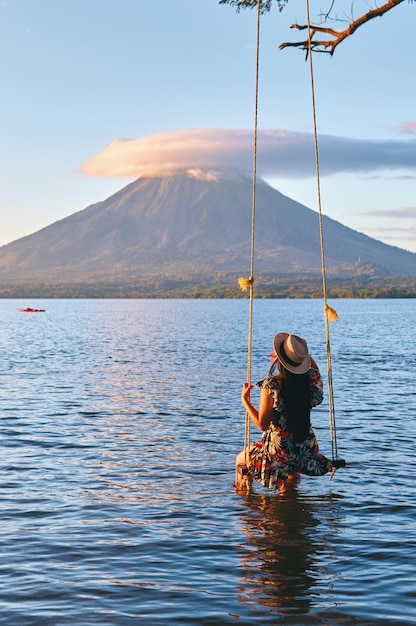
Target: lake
120	422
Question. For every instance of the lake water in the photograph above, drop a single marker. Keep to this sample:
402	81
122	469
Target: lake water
120	422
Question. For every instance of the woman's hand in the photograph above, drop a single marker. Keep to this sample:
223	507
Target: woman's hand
266	407
245	394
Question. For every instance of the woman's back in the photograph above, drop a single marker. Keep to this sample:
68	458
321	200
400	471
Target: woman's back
296	395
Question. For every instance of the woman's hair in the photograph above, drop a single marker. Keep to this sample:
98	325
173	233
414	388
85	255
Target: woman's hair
295	390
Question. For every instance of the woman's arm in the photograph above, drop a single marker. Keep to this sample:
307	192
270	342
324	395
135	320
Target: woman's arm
263	416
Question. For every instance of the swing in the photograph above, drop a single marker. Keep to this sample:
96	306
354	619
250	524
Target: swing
330	315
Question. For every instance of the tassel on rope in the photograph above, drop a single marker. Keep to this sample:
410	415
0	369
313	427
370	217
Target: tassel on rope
332	315
245	283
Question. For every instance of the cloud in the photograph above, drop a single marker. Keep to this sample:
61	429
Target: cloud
406	212
395	235
281	154
405	232
408	127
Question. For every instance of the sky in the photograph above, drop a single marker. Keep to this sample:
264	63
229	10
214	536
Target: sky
95	93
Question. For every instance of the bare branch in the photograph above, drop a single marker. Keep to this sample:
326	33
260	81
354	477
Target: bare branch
329	45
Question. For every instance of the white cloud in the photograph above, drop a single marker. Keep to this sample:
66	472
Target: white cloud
280	154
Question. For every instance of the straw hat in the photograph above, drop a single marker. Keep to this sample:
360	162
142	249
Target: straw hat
292	352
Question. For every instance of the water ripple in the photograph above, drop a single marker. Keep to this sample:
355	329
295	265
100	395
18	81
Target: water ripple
120	421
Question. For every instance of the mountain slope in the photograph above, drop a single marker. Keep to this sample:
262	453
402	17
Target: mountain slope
165	226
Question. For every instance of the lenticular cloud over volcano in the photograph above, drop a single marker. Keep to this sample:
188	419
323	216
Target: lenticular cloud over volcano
165	153
280	154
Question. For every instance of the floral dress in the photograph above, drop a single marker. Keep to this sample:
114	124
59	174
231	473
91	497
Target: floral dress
277	454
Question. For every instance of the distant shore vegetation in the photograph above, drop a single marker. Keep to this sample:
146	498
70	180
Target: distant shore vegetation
217	287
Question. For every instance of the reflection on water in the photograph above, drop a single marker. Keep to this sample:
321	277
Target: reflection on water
279	556
288	565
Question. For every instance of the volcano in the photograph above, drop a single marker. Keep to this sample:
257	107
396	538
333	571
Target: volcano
160	232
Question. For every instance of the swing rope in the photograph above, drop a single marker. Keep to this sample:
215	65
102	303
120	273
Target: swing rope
244	283
329	313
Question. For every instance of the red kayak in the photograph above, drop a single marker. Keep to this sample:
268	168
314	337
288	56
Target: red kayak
29	310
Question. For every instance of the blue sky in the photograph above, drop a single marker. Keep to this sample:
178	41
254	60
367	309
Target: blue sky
91	88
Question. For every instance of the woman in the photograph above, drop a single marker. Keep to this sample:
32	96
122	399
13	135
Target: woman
288	444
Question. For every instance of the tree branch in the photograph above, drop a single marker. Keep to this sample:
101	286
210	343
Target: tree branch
329	45
265	5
